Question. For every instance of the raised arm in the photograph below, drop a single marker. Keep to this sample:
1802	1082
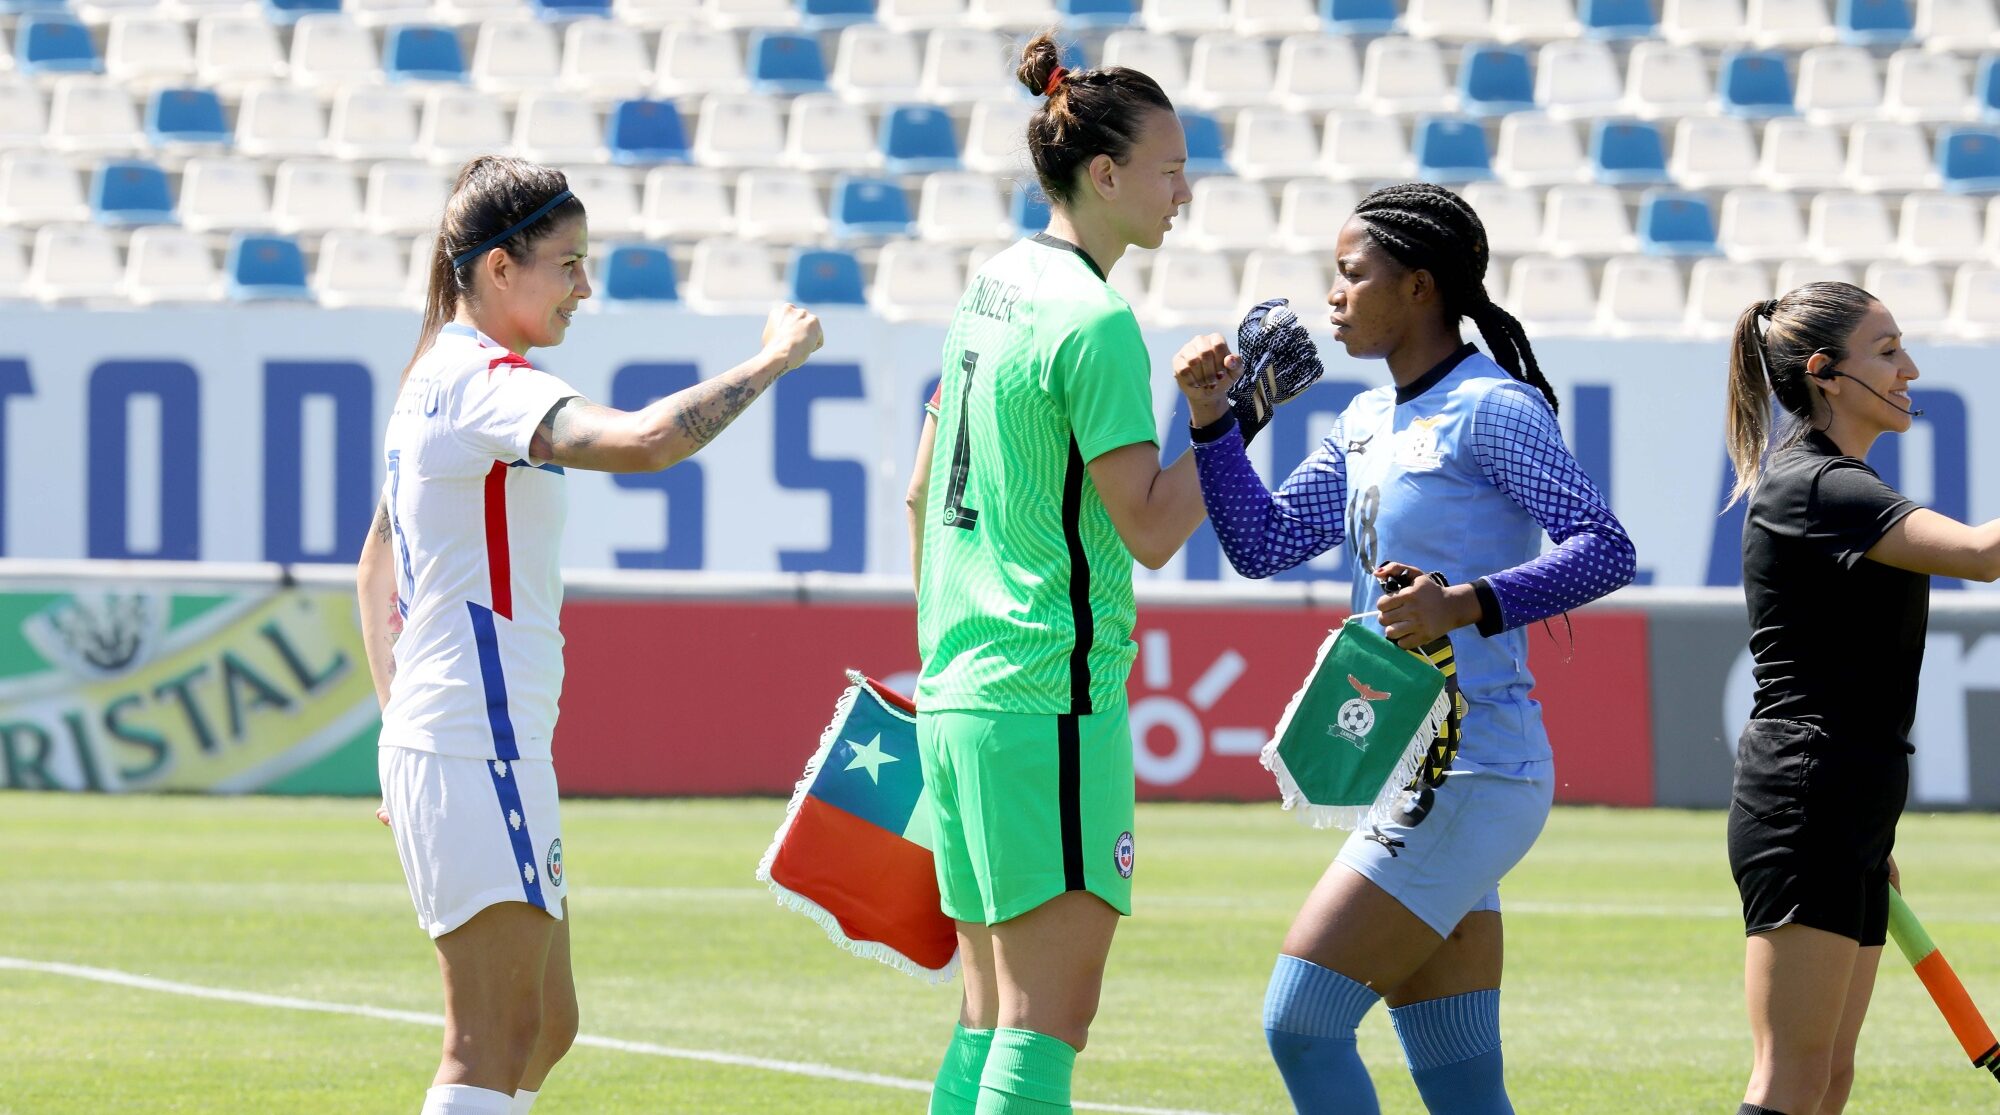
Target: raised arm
1154	509
375	593
1925	541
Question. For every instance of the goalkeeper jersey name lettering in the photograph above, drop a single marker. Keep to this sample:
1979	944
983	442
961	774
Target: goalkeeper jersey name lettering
992	298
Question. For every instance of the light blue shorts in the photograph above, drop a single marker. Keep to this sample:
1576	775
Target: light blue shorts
1484	820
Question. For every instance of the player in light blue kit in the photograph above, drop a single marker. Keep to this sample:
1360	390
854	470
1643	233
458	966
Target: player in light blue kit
1457	468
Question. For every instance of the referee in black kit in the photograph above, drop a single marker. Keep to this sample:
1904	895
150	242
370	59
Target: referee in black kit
1836	572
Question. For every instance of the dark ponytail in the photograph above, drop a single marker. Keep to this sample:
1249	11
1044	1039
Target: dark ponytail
1429	228
1084	114
1770	362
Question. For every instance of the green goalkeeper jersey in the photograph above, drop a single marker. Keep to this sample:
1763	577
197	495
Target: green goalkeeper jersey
1026	600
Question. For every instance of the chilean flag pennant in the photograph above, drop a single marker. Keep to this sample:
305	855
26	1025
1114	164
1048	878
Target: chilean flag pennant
854	850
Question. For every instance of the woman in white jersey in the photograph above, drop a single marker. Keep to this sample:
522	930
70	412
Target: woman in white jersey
463	560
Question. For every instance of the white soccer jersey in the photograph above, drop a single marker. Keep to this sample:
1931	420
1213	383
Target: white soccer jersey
476	532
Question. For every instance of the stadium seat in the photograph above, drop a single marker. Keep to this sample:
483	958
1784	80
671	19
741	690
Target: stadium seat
1759	224
915	281
1992	239
263	268
1617	19
1274	143
1585	221
558	128
918	139
423	254
1204	144
1975	302
699	61
1157	56
1719	290
1316	73
127	192
329	52
54	43
1926	86
605	59
360	269
422	52
1512	216
1788	24
1986	90
1887	156
1184	17
1190	289
1710	23
995	138
180	120
645	131
869	208
1294	276
1090	14
745	14
1642	297
685	203
1012	15
514	57
1578	78
1795	273
169	265
1915	293
819	277
38	188
1711	152
1401	75
960	207
146	52
74	263
824	132
1939	228
560	11
1359	147
1552	295
1672	223
279	121
386	13
1753	85
786	63
920	15
286	13
313	195
1964	26
732	277
610	198
1838	85
92	115
221	194
1495	80
372	123
1310	213
780	206
24	117
1537	150
1873	22
1664	81
1535	21
637	276
1228	214
405	198
1801	155
1448	20
100	12
1270	19
657	14
1028	209
1847	227
235	51
1229	71
737	132
1628	153
1451	150
965	67
874	65
1968	159
1361	17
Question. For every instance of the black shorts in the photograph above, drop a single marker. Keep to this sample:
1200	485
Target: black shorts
1811	825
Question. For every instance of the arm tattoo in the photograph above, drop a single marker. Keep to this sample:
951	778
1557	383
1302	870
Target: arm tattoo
710	407
565	428
382	523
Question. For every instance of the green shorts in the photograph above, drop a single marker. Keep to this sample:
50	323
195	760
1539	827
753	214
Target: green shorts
1027	807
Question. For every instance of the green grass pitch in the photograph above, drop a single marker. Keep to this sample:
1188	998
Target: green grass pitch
1622	994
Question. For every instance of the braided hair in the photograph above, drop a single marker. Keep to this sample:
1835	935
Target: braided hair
1426	227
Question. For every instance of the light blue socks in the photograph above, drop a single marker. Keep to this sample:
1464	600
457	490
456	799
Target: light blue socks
1453	1047
1310	1014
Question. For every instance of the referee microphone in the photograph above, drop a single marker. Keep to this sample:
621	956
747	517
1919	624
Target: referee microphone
1836	373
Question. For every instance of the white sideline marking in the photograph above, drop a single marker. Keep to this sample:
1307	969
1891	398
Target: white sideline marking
418	1018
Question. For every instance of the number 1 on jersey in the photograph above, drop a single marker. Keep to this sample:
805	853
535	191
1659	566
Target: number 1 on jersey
956	513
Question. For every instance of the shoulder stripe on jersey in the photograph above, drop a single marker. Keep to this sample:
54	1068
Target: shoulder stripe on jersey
498	566
509	359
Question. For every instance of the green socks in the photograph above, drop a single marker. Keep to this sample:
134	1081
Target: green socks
957	1089
1026	1074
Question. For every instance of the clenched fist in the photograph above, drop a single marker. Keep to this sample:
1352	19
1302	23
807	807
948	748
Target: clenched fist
792	333
1205	370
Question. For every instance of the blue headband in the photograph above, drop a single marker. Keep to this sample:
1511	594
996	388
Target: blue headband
463	258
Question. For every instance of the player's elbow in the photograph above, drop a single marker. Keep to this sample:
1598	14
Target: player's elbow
1153	557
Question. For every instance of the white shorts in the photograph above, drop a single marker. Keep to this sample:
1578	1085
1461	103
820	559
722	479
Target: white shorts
1483	823
472	833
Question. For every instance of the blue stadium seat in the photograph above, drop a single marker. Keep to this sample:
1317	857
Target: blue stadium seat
824	277
832	15
1030	208
186	116
1617	19
126	192
1083	14
917	139
640	273
558	10
1754	84
643	131
423	52
1874	22
1628	153
1204	143
23	7
284	13
1496	80
1359	17
54	43
266	268
1987	89
869	207
1968	159
786	62
1451	150
1672	223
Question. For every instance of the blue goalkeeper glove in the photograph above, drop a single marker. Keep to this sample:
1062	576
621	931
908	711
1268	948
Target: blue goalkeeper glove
1279	362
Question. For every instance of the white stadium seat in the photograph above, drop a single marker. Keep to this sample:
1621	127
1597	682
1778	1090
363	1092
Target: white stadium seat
1229	71
330	51
89	115
1535	21
1228	214
1915	293
1358	147
1789	24
1268	19
779	206
558	128
1403	75
1926	86
1538	150
24	117
313	195
361	269
37	188
1184	17
1552	295
1847	227
1449	20
405	198
1274	143
1992	238
386	13
468	13
1577	78
224	193
920	15
750	13
1295	276
687	203
1190	289
1713	152
1642	296
1886	156
1715	23
1966	26
372	122
699	61
148	52
1719	290
1155	55
514	57
963	66
1012	15
609	196
1939	228
234	51
279	121
1838	84
739	132
960	207
1795	273
915	281
605	58
1316	72
996	137
1664	81
75	263
825	132
170	265
13	265
1512	216
1310	213
733	277
423	254
1975	302
657	13
874	65
95	12
1759	224
1586	221
1801	155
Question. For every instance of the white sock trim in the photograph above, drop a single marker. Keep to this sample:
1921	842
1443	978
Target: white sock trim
464	1099
523	1100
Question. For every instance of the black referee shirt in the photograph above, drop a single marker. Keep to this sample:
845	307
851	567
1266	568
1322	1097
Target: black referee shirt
1838	639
